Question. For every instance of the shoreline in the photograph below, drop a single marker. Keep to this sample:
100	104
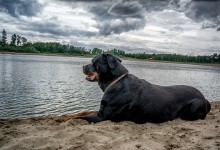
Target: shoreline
68	132
123	58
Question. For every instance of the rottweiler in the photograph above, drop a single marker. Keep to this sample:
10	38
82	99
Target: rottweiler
128	98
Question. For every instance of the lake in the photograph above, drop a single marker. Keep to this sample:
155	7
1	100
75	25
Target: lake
32	85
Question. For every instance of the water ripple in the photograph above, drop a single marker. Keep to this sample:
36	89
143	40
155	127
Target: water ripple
33	86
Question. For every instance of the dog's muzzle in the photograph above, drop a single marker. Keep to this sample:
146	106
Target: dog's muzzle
90	75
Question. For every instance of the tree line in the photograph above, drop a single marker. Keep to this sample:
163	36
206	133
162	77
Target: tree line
21	44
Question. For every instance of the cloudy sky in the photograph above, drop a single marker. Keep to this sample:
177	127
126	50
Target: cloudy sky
151	26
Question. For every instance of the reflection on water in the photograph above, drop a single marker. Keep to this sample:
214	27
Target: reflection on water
47	85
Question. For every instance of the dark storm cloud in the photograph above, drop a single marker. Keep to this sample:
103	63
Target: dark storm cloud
202	10
126	8
55	30
118	17
155	5
120	26
83	0
208	25
197	10
18	8
113	16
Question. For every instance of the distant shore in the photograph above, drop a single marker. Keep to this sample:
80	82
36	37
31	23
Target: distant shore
123	58
45	54
66	132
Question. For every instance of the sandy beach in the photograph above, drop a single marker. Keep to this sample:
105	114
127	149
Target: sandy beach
66	132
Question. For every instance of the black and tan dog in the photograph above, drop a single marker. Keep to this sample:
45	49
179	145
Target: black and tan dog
128	98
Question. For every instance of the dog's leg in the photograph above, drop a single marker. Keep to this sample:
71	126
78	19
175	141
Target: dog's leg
91	119
104	113
196	109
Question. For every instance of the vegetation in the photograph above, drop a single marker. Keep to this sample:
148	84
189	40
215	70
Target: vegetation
21	44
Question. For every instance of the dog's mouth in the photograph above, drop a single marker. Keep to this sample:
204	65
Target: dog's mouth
90	76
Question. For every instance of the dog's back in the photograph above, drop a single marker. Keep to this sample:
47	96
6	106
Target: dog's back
141	101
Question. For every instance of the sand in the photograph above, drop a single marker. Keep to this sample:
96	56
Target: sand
65	132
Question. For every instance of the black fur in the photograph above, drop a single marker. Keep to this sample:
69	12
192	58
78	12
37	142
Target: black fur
134	99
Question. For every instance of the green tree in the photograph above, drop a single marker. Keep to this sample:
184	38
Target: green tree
214	57
4	37
18	40
24	41
219	57
13	40
96	51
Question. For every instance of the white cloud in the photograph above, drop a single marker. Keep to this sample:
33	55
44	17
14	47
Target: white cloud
117	25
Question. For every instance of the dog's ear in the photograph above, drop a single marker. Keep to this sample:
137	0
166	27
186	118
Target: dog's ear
112	61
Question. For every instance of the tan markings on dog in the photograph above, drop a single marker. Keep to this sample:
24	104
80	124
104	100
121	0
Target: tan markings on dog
96	75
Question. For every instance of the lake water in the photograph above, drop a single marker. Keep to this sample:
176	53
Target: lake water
33	86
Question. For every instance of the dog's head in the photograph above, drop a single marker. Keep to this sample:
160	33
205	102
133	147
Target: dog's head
103	66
